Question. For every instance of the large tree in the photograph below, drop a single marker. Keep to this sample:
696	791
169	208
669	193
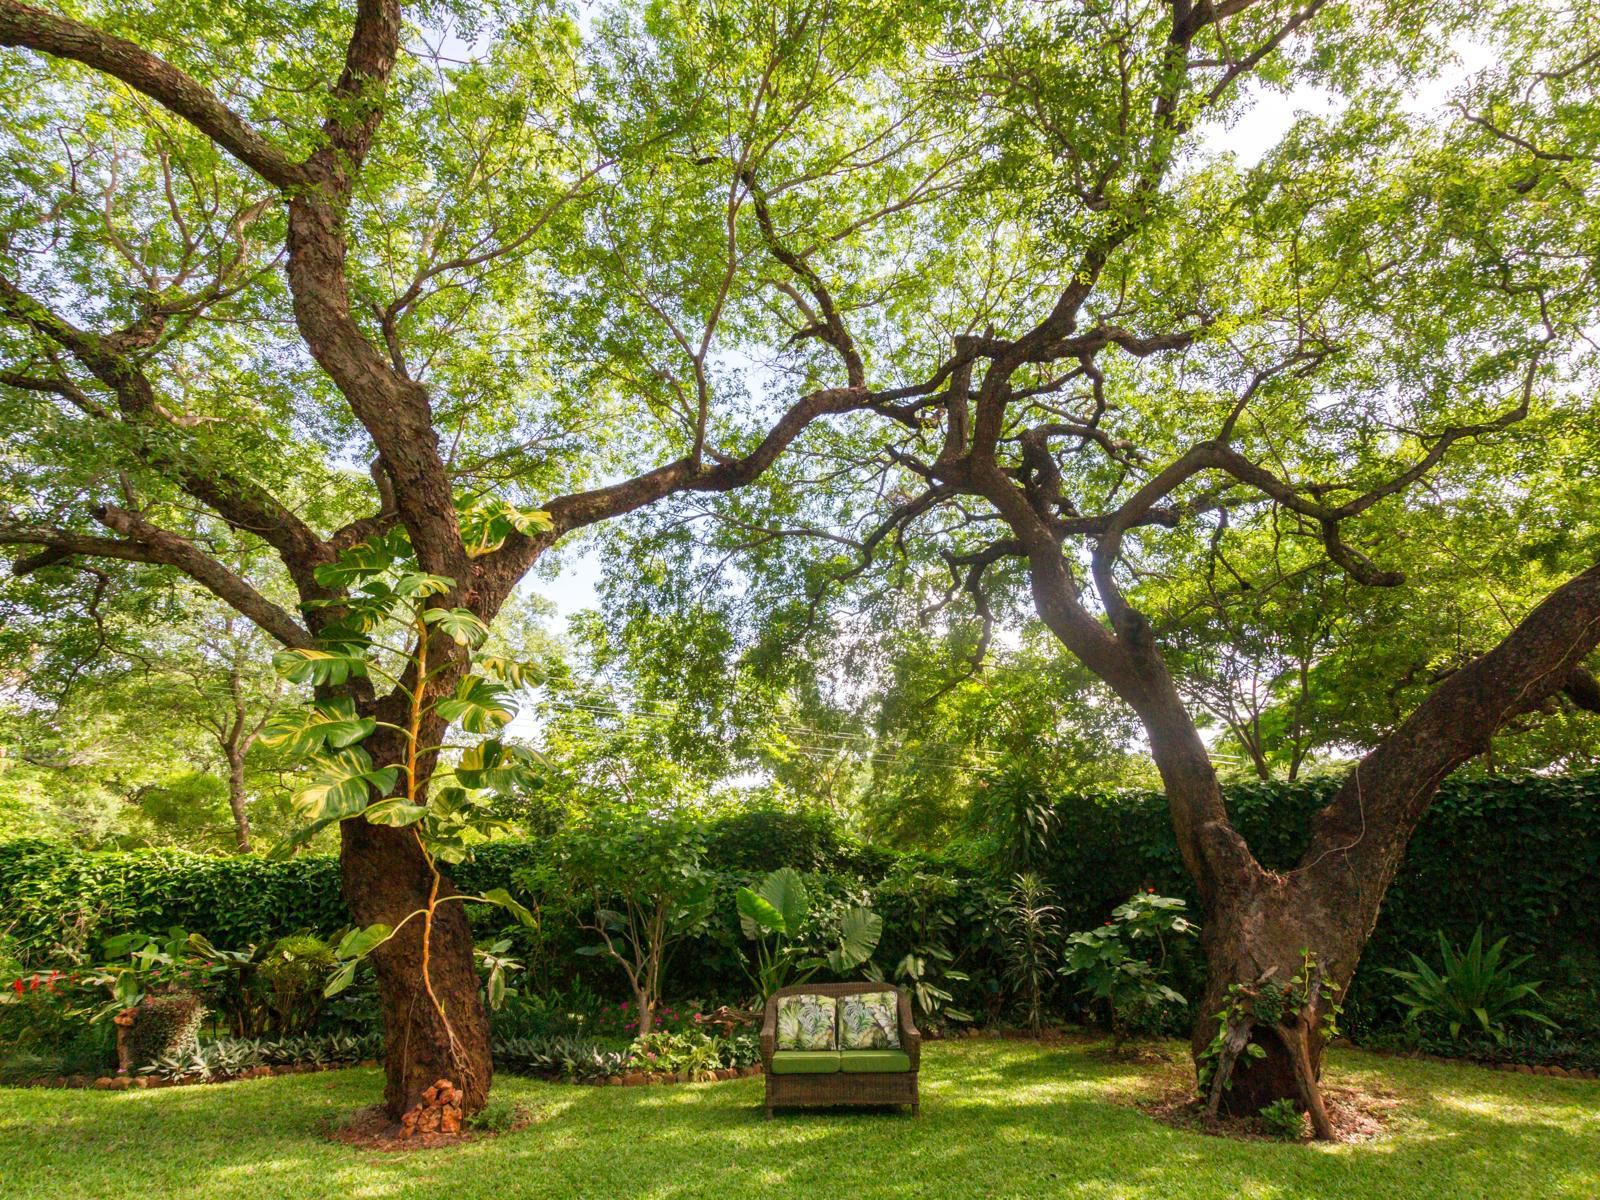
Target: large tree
511	254
997	242
1156	357
1289	349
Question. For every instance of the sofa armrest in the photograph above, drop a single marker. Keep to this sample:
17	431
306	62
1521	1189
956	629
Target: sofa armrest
769	1033
910	1039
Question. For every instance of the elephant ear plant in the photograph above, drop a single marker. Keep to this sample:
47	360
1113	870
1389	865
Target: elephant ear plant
774	915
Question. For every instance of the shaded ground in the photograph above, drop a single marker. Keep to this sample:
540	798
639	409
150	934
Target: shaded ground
999	1119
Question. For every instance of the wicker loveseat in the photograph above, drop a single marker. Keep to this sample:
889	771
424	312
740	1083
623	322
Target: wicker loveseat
880	1075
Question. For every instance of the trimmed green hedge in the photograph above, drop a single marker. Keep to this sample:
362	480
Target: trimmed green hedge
1519	855
53	894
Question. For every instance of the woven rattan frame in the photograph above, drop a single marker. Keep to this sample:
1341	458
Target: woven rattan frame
896	1087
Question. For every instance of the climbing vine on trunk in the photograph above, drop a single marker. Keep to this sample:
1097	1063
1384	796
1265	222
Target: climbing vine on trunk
391	625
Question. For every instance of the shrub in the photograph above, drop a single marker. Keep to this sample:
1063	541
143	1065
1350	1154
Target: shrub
1515	854
45	1027
622	1020
578	1058
1282	1119
497	1116
232	1056
568	1057
695	1054
1475	986
777	916
1123	963
24	1068
1031	929
561	1012
290	979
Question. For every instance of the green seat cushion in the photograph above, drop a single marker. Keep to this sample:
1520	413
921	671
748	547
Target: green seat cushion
806	1021
869	1021
864	1062
806	1062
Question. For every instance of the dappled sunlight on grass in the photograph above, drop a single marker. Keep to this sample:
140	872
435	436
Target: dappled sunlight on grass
1000	1119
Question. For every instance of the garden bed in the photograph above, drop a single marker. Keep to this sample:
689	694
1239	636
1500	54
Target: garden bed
122	1083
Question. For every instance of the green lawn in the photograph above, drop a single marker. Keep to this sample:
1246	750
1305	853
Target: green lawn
998	1119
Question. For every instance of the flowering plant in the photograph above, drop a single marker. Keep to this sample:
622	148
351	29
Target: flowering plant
622	1020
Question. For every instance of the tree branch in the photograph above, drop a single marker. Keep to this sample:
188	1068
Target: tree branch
34	29
145	543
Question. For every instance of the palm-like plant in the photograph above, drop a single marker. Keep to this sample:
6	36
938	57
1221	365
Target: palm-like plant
1474	987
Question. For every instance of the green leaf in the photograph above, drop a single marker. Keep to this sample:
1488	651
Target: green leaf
320	667
859	932
460	625
478	705
417	584
757	913
360	561
786	892
358	943
509	671
503	898
343	785
342	978
332	723
530	521
497	765
395	813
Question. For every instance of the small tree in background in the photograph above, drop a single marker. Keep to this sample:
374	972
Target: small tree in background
644	888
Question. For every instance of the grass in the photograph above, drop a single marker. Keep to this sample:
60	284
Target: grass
999	1119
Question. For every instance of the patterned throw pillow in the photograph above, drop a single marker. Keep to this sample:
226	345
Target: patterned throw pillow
805	1022
869	1021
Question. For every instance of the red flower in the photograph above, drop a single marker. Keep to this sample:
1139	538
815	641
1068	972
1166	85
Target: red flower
16	986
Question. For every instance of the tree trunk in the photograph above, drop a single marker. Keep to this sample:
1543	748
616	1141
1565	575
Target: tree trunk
647	1012
1259	926
236	800
387	878
1257	937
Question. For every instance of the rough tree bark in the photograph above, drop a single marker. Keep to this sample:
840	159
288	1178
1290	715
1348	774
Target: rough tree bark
386	876
434	1023
1257	925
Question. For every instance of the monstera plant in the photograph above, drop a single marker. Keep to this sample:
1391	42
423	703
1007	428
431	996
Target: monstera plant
445	765
774	915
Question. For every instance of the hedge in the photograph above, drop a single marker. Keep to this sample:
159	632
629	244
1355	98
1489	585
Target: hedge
1519	855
